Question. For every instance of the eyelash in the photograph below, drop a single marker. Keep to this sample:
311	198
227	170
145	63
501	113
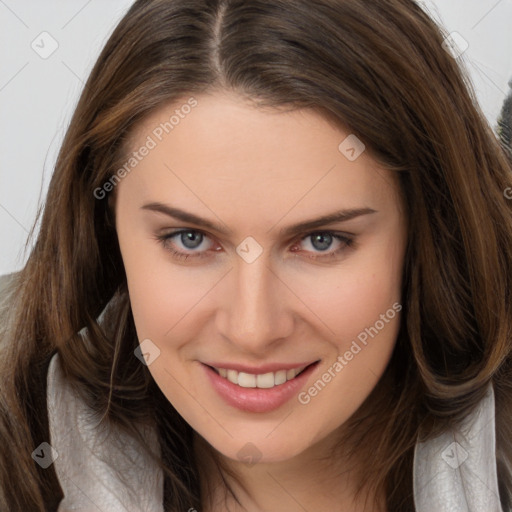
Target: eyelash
164	240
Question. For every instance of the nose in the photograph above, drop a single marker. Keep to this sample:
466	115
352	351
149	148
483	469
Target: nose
256	312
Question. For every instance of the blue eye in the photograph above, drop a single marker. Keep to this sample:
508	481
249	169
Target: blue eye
322	240
191	239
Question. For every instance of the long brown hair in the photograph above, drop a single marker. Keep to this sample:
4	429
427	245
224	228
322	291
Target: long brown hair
378	68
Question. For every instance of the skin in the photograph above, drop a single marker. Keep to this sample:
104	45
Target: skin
249	169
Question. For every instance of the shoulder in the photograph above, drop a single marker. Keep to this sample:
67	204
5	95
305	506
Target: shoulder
7	287
6	284
459	468
111	467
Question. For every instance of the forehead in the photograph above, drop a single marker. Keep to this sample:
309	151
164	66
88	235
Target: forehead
225	148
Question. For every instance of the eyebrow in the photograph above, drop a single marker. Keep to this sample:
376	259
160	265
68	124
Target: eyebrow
339	216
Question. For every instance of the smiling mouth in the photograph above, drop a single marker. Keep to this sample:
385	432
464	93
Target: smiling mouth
263	381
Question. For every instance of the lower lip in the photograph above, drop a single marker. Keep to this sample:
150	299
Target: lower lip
258	399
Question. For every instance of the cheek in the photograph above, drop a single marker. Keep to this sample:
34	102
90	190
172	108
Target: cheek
364	314
162	293
353	295
164	299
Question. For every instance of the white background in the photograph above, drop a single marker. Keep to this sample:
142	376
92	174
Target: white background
37	95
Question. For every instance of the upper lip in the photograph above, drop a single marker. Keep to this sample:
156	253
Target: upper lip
261	369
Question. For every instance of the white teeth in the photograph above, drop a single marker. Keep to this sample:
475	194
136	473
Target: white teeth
264	381
233	376
246	380
280	377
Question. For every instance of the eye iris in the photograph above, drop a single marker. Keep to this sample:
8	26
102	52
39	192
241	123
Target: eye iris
325	240
191	239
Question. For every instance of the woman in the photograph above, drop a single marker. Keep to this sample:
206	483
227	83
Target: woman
179	345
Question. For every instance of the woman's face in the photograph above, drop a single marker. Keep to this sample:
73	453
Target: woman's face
222	274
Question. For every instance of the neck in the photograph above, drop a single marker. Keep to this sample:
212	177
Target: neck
309	481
